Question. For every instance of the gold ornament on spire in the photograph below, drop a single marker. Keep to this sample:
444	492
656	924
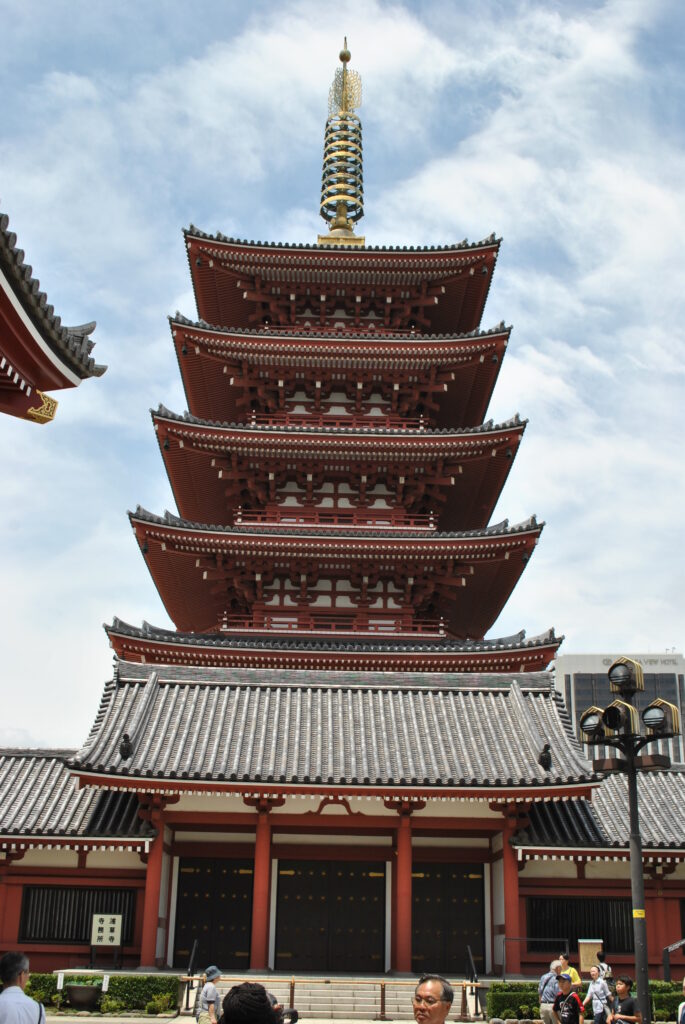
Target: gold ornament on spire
342	184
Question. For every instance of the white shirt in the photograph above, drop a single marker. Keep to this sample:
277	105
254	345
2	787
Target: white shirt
17	1008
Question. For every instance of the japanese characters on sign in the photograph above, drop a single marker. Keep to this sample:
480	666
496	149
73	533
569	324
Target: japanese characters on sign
106	930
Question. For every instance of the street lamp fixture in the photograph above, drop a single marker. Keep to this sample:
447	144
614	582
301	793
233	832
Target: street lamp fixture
618	725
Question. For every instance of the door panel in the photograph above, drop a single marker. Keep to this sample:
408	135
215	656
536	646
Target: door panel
214	906
447	915
331	916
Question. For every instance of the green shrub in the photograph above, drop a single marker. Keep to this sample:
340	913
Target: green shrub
136	991
110	1005
161	1003
502	994
42	987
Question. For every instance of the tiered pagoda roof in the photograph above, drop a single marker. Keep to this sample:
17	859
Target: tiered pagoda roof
440	289
216	470
201	571
37	352
445	379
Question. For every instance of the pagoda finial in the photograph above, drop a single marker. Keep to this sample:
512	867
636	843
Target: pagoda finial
342	189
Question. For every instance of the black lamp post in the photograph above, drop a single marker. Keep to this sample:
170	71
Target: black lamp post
618	726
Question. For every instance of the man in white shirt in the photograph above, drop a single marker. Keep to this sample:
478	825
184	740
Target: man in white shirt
15	1006
681	1009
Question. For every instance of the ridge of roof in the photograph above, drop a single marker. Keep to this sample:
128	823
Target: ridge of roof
194	232
517	641
273	332
489	426
71	344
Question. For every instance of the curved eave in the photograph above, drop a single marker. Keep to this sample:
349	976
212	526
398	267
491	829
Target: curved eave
151	646
31	334
223	273
197	456
487	792
209	358
194	568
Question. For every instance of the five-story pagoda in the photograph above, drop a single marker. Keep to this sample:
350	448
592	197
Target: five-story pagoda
334	477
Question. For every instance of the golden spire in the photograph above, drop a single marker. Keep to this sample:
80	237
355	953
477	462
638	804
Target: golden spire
342	189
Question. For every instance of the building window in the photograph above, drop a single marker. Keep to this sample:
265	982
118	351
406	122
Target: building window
64	914
551	920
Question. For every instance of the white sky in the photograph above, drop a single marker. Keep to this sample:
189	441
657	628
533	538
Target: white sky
558	126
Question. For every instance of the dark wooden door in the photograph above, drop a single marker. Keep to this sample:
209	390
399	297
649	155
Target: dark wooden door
214	906
331	916
447	916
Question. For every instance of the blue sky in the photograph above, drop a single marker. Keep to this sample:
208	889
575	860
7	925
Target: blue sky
559	127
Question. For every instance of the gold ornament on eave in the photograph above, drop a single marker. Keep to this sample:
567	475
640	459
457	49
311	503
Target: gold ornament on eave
342	183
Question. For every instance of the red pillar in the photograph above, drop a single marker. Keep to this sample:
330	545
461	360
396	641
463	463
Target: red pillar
153	882
510	880
261	888
403	895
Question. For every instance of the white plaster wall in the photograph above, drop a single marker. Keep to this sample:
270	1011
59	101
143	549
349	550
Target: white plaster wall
608	869
548	869
54	858
126	859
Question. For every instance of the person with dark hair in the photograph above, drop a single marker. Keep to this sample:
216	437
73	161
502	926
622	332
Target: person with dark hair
209	1003
625	1007
568	1008
433	998
15	1006
603	967
249	1003
566	968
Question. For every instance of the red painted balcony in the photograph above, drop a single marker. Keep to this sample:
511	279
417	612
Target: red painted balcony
304	620
300	515
353	421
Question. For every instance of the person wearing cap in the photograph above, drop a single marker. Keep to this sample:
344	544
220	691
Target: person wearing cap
568	1008
209	1004
571	971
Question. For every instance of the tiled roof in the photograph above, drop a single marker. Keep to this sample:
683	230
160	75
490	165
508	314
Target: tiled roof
193	232
71	344
661	797
502	529
377	432
378	338
518	641
38	798
603	822
332	728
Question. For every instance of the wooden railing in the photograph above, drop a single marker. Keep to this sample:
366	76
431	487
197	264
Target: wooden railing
353	421
292	515
305	621
464	1008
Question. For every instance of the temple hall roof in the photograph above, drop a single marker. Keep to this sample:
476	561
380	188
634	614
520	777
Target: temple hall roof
39	799
71	345
602	821
314	729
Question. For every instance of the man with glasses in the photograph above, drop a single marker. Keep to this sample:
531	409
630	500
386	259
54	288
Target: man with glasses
15	1006
433	998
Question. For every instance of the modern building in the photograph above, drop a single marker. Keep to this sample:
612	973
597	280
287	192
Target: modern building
582	681
327	766
38	353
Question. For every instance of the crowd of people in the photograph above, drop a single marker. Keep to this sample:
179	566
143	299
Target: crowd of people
612	1001
250	1003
